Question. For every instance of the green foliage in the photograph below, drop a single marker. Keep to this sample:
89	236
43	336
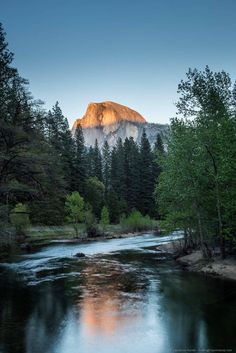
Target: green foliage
116	206
105	219
74	207
20	219
90	222
80	163
196	190
94	194
30	171
97	162
132	173
106	166
62	145
147	182
136	222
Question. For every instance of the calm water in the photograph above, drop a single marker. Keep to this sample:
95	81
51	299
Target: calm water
121	298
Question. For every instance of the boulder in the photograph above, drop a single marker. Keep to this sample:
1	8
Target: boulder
80	254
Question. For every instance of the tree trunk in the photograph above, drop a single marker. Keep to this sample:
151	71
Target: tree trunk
220	228
200	230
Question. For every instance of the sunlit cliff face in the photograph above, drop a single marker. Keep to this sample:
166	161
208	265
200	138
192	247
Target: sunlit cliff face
109	121
107	113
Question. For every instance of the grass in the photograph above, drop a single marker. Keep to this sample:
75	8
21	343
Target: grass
41	234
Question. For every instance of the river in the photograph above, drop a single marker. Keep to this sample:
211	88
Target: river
120	298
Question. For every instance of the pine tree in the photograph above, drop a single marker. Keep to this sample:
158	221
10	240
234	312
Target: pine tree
117	170
132	172
60	138
80	163
97	162
159	146
146	198
89	162
158	155
27	169
106	166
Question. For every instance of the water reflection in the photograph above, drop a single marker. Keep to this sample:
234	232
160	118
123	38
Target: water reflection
117	303
198	310
110	287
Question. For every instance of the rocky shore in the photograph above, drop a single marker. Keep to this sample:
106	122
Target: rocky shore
197	263
215	266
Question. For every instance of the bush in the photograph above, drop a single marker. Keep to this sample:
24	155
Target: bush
20	219
105	219
136	222
74	207
90	223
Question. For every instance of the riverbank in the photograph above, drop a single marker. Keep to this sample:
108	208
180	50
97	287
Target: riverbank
197	263
48	235
215	266
43	236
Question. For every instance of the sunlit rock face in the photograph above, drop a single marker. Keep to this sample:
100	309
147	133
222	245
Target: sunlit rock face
108	121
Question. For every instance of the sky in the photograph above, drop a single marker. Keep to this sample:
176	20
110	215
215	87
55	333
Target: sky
128	51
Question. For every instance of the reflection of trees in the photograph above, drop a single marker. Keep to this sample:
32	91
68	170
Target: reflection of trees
181	313
193	316
36	318
110	288
15	307
51	308
30	317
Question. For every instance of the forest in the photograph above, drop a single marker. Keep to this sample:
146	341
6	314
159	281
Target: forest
49	177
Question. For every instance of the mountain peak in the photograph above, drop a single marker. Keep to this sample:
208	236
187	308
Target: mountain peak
107	113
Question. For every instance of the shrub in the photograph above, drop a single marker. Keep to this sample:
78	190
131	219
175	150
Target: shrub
91	224
136	222
74	207
105	219
20	219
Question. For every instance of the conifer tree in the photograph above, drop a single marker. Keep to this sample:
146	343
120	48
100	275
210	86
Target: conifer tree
106	166
146	198
132	173
117	170
97	162
80	163
60	138
89	159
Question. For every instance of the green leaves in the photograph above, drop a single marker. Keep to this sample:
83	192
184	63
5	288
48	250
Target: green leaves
198	180
74	206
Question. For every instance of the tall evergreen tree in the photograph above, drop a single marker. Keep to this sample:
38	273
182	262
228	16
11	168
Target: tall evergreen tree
132	173
27	171
97	162
146	197
106	166
80	163
60	138
117	170
89	159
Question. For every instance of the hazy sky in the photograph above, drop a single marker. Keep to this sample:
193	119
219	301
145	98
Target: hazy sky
129	51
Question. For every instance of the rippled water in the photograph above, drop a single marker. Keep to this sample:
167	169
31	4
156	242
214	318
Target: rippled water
121	298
